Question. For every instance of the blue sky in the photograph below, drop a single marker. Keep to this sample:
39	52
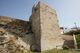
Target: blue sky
68	11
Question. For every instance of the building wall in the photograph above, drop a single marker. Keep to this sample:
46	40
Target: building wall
36	26
50	32
45	26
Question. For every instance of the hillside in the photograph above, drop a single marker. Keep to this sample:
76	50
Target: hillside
14	35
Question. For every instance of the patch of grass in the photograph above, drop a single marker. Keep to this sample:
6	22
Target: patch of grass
58	51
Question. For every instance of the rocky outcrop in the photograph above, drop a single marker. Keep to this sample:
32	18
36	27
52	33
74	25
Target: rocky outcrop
15	35
9	43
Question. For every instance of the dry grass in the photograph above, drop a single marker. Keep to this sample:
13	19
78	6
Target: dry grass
58	51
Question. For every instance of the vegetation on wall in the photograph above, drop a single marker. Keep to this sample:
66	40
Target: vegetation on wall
78	40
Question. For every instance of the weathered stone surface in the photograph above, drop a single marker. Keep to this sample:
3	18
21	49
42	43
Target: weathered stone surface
46	28
14	35
9	43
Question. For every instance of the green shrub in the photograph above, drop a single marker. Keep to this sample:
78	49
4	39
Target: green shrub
78	40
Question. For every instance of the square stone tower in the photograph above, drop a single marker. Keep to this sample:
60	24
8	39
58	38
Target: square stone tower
45	27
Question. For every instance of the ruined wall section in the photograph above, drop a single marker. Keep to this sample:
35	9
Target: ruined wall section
36	26
50	32
19	29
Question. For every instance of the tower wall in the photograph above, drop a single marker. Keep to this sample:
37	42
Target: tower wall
45	27
36	27
50	32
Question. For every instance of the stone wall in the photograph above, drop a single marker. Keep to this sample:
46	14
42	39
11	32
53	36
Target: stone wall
36	27
50	31
45	26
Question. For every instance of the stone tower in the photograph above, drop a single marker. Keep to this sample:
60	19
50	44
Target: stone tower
45	27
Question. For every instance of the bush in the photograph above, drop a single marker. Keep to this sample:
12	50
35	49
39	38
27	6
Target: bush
78	40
